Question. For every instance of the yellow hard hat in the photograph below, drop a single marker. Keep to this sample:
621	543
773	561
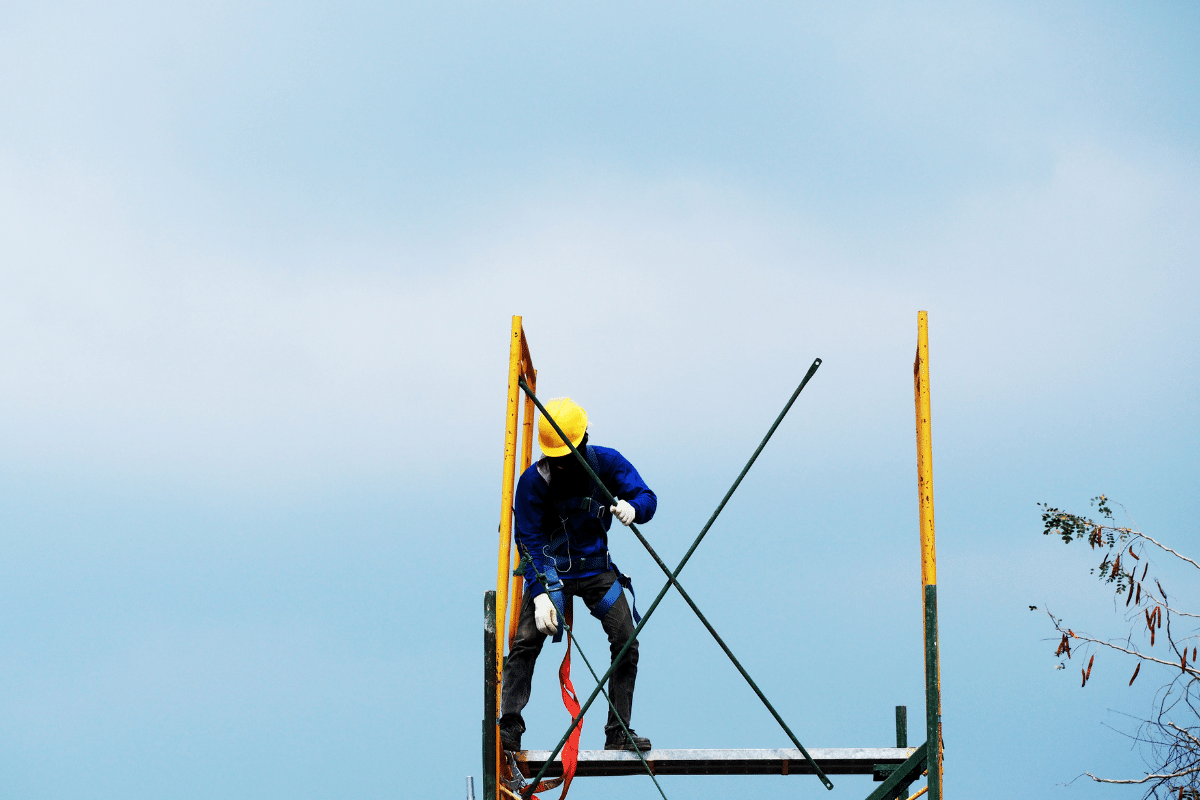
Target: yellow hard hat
570	417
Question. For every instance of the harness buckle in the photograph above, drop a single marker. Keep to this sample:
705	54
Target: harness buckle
554	560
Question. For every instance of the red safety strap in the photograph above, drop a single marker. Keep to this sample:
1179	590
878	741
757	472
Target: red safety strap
570	752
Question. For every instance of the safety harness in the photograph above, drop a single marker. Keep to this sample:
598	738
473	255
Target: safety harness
557	554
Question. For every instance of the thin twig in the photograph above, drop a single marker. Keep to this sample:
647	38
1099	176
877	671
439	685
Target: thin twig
1149	594
1164	547
1185	732
1179	774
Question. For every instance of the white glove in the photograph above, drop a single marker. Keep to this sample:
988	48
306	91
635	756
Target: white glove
545	615
623	511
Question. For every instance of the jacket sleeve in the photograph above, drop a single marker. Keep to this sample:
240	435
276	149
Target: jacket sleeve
529	503
628	485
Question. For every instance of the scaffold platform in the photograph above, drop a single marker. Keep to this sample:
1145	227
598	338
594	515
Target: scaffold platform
878	762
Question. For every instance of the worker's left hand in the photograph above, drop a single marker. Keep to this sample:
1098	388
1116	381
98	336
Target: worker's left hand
623	511
544	614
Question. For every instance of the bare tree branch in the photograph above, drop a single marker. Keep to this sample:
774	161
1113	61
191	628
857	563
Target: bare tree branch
1157	601
1134	653
1179	774
1058	626
1185	732
1169	550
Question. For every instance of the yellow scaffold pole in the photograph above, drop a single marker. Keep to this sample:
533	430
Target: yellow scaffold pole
506	505
933	693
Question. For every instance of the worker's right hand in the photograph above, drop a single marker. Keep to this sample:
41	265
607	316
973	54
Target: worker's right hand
545	616
623	511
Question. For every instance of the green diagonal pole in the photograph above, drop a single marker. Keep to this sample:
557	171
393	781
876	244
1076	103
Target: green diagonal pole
672	577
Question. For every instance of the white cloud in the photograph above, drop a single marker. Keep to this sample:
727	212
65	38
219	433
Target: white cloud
125	351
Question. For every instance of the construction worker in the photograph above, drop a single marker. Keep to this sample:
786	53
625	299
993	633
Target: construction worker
562	532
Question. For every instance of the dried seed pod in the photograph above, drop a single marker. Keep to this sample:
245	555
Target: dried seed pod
1084	674
1149	620
1093	658
1136	670
1129	599
1145	569
1139	593
1135	555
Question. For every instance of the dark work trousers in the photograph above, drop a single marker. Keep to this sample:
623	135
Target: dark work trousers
518	667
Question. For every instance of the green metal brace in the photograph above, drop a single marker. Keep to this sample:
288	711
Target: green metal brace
903	775
672	578
933	692
489	695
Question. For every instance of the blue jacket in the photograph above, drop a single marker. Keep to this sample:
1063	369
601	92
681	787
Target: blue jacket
542	518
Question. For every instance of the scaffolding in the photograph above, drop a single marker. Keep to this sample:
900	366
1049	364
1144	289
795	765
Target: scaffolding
516	776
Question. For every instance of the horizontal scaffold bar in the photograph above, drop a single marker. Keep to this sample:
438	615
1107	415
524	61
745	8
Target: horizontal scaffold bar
833	761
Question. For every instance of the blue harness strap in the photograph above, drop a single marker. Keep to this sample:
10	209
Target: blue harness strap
568	564
554	588
614	591
588	505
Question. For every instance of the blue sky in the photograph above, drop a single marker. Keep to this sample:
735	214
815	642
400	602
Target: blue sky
259	262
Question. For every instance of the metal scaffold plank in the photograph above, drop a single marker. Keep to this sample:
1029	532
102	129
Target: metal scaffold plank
833	761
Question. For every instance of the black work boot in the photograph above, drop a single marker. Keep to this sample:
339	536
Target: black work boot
510	739
617	740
